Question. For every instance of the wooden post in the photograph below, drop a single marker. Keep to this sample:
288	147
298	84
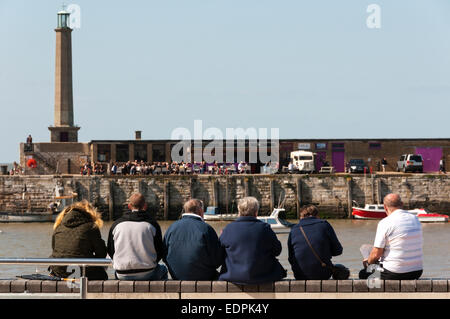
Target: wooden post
299	196
111	200
191	188
379	195
166	199
349	197
246	186
272	195
90	191
227	196
373	188
215	192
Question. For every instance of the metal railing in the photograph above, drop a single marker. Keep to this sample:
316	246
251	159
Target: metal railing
80	262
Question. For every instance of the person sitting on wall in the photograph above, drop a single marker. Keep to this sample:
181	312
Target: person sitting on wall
311	245
76	234
251	248
384	164
135	244
241	167
398	244
442	166
192	249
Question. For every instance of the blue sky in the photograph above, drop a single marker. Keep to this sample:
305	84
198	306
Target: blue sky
310	68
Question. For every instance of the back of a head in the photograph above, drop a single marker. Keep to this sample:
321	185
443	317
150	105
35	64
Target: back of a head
248	206
393	201
193	206
309	211
137	201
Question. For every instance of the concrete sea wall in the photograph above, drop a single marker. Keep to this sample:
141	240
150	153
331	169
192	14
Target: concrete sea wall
166	194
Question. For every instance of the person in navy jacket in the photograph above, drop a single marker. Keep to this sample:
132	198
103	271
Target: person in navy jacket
192	249
324	241
251	248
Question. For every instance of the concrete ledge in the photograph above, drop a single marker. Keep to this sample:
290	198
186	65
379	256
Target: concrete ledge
212	288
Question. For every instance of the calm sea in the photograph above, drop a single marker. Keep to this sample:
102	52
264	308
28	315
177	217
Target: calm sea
34	240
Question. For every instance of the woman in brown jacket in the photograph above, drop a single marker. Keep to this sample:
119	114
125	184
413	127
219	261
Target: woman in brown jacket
76	234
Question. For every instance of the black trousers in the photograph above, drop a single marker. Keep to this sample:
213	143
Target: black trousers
389	275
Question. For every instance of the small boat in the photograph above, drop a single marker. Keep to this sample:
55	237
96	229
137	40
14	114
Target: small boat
55	208
376	211
370	211
26	217
212	214
427	217
278	224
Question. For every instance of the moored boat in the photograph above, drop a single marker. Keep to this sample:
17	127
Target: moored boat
370	211
278	224
376	211
212	214
26	217
427	217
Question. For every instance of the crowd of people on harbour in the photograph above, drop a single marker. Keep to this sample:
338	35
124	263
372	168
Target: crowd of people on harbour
164	168
190	249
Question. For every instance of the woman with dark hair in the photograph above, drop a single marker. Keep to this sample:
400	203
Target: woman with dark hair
311	245
76	234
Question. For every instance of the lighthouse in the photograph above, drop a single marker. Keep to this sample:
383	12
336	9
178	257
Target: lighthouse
63	129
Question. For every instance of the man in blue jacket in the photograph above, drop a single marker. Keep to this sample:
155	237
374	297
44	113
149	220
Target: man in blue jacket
323	239
191	247
251	248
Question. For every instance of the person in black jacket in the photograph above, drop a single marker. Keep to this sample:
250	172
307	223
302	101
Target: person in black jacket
135	244
192	248
323	239
251	248
77	235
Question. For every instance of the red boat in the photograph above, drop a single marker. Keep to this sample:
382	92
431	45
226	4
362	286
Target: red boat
376	211
370	211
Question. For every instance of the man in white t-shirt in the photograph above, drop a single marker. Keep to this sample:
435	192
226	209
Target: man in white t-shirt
398	243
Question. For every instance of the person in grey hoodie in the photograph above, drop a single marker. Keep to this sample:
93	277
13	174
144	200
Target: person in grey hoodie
135	244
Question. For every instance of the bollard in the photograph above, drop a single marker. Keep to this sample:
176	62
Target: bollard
299	196
349	197
83	283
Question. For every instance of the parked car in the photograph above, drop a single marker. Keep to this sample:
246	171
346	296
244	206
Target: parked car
410	163
357	166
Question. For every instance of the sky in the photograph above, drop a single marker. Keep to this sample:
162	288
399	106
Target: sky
313	69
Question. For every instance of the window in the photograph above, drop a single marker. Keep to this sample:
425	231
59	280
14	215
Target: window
415	158
374	146
103	152
306	158
321	146
64	137
338	146
402	158
140	152
271	221
159	152
122	153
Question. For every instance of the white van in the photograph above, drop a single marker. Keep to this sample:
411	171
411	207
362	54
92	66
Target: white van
303	161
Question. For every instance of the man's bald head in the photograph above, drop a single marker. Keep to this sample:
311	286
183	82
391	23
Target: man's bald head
194	206
392	202
137	201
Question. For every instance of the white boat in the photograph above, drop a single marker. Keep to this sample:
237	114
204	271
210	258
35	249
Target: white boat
26	217
427	217
212	214
278	225
60	202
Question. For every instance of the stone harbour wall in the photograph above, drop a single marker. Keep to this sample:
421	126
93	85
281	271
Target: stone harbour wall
166	194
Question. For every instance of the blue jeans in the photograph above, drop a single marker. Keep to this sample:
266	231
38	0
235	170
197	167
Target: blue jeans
159	273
